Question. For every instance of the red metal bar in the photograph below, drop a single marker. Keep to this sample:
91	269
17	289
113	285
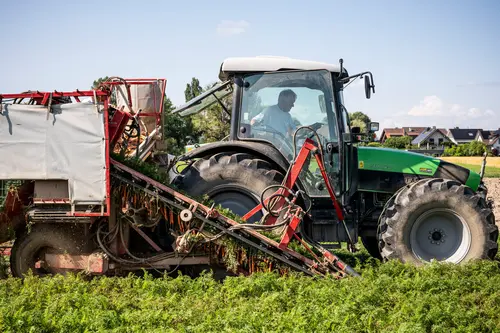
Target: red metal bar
52	200
41	95
117	125
290	230
297	167
338	210
292	177
107	152
253	211
83	214
45	98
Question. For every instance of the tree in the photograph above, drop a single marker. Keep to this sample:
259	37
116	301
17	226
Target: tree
98	82
361	120
176	130
474	148
213	123
374	144
193	89
402	142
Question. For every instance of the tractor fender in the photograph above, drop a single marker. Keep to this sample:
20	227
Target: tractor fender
261	150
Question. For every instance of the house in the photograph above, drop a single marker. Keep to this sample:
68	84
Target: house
493	142
431	138
390	133
483	136
463	135
413	132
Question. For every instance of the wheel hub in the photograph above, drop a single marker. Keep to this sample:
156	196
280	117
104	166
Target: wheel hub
440	234
437	236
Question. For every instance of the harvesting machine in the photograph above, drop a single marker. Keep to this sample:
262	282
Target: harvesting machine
82	199
98	191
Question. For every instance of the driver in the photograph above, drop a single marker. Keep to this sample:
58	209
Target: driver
278	116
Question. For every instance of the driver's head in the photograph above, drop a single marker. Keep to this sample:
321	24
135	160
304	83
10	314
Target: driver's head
286	100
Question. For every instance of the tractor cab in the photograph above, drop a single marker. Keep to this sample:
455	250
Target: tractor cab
281	102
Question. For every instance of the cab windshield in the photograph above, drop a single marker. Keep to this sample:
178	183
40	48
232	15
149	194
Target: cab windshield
275	104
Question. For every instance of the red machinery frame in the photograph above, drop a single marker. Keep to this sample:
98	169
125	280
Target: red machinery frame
297	166
112	131
49	98
115	81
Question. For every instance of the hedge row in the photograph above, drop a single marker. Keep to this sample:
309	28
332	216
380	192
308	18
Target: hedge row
474	148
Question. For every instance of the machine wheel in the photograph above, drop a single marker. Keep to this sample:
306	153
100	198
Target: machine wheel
437	219
235	181
371	245
29	247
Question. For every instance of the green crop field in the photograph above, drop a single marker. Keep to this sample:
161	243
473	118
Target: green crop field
389	297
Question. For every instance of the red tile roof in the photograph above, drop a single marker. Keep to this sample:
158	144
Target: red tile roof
414	131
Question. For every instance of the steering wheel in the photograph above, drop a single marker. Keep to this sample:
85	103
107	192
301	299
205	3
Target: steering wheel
305	133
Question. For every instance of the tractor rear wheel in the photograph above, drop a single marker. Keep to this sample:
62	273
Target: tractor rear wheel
235	181
30	247
437	219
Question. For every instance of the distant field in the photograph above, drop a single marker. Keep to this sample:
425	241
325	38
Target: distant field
474	160
474	164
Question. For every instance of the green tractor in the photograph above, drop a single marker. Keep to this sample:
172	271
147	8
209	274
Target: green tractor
402	205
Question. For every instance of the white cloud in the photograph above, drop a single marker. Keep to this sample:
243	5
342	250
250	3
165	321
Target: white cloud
433	111
386	123
489	113
474	113
429	106
230	28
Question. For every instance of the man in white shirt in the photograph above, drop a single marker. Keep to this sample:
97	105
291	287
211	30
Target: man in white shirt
278	116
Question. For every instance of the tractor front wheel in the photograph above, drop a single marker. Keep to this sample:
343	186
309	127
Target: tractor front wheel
235	181
437	219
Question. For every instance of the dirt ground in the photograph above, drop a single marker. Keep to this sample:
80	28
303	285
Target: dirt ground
493	185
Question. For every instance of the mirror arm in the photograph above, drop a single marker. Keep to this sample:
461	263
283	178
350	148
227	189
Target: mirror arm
347	79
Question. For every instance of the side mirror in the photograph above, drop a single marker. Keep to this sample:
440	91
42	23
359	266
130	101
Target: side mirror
374	127
368	87
355	130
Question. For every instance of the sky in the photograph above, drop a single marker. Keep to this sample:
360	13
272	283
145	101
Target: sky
435	63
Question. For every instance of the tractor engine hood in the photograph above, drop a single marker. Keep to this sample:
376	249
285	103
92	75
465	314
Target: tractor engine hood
387	170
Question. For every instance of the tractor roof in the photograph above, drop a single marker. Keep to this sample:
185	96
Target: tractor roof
231	66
